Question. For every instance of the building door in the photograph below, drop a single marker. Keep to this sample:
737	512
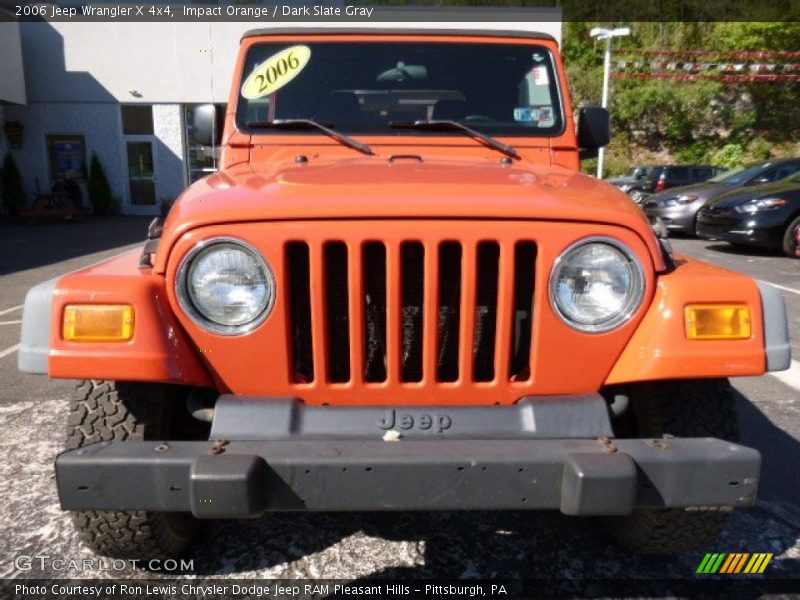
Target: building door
142	197
141	177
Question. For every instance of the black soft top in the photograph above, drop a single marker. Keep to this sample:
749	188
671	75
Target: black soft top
379	31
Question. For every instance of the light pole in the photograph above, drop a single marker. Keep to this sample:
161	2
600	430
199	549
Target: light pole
600	33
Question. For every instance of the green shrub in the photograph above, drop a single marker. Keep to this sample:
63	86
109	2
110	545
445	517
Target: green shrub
729	156
694	154
759	149
12	192
100	195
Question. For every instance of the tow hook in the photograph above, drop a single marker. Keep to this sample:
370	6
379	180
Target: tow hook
218	447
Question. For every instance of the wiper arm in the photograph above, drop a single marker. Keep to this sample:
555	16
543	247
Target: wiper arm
455	125
311	124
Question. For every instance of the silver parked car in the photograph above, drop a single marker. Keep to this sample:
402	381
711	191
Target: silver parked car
677	208
632	182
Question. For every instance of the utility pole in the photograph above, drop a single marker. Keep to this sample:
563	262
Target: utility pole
599	33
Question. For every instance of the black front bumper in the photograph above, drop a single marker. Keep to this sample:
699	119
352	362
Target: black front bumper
306	470
731	227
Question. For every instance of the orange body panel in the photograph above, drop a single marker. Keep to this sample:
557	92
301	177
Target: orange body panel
342	187
258	363
159	350
660	350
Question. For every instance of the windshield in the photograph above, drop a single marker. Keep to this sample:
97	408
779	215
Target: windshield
362	87
737	176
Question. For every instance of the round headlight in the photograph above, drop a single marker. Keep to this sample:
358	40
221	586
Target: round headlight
226	286
597	285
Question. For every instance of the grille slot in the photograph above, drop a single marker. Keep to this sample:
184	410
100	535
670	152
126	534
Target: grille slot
524	273
374	306
337	312
485	327
412	269
416	312
299	312
449	311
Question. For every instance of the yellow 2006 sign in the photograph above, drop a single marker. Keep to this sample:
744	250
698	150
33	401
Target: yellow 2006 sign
275	72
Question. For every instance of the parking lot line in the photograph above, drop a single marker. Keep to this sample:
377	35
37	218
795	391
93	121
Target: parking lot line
780	287
8	351
10	310
790	377
10	322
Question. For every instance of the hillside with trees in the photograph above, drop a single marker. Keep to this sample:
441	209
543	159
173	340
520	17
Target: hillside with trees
704	120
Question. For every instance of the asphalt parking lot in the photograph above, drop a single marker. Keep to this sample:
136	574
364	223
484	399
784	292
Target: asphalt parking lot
512	544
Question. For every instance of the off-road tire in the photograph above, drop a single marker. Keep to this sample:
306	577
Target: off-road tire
106	411
687	408
790	240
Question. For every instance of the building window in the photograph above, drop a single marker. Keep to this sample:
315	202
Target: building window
200	160
137	119
67	154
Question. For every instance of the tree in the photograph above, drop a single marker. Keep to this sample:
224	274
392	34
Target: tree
663	121
99	190
12	191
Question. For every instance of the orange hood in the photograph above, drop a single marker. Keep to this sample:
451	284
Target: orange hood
374	187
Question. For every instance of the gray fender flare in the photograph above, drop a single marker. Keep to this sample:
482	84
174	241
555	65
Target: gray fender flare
37	316
777	348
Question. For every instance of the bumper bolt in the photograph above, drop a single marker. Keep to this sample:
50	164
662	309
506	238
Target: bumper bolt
659	444
161	448
606	442
218	447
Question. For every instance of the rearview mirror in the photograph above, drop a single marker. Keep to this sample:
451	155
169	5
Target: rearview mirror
403	72
207	125
594	130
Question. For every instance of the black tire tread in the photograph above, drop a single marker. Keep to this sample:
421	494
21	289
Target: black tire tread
685	408
105	411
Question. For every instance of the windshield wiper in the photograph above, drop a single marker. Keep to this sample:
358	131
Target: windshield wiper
311	124
455	125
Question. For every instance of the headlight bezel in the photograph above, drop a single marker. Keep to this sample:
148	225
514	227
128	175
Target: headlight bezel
759	205
639	286
188	305
682	200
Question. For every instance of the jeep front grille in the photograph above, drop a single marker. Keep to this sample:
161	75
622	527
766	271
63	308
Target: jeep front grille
409	311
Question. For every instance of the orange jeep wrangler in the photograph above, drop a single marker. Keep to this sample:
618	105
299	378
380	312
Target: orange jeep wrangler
400	293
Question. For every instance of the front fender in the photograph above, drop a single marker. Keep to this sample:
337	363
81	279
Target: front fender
159	351
659	348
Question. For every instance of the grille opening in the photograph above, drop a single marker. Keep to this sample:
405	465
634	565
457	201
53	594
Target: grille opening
337	312
524	272
299	313
373	261
412	268
449	310
483	349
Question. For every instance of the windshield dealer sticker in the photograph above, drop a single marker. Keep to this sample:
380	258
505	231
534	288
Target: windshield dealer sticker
275	72
526	114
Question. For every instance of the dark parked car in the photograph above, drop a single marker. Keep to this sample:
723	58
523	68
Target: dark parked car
632	182
766	215
678	207
663	177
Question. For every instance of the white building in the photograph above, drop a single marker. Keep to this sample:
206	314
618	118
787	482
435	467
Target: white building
125	91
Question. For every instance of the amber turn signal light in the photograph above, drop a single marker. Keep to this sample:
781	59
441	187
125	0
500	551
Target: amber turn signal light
717	322
98	322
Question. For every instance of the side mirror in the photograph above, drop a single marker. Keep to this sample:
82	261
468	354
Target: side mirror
594	130
207	125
